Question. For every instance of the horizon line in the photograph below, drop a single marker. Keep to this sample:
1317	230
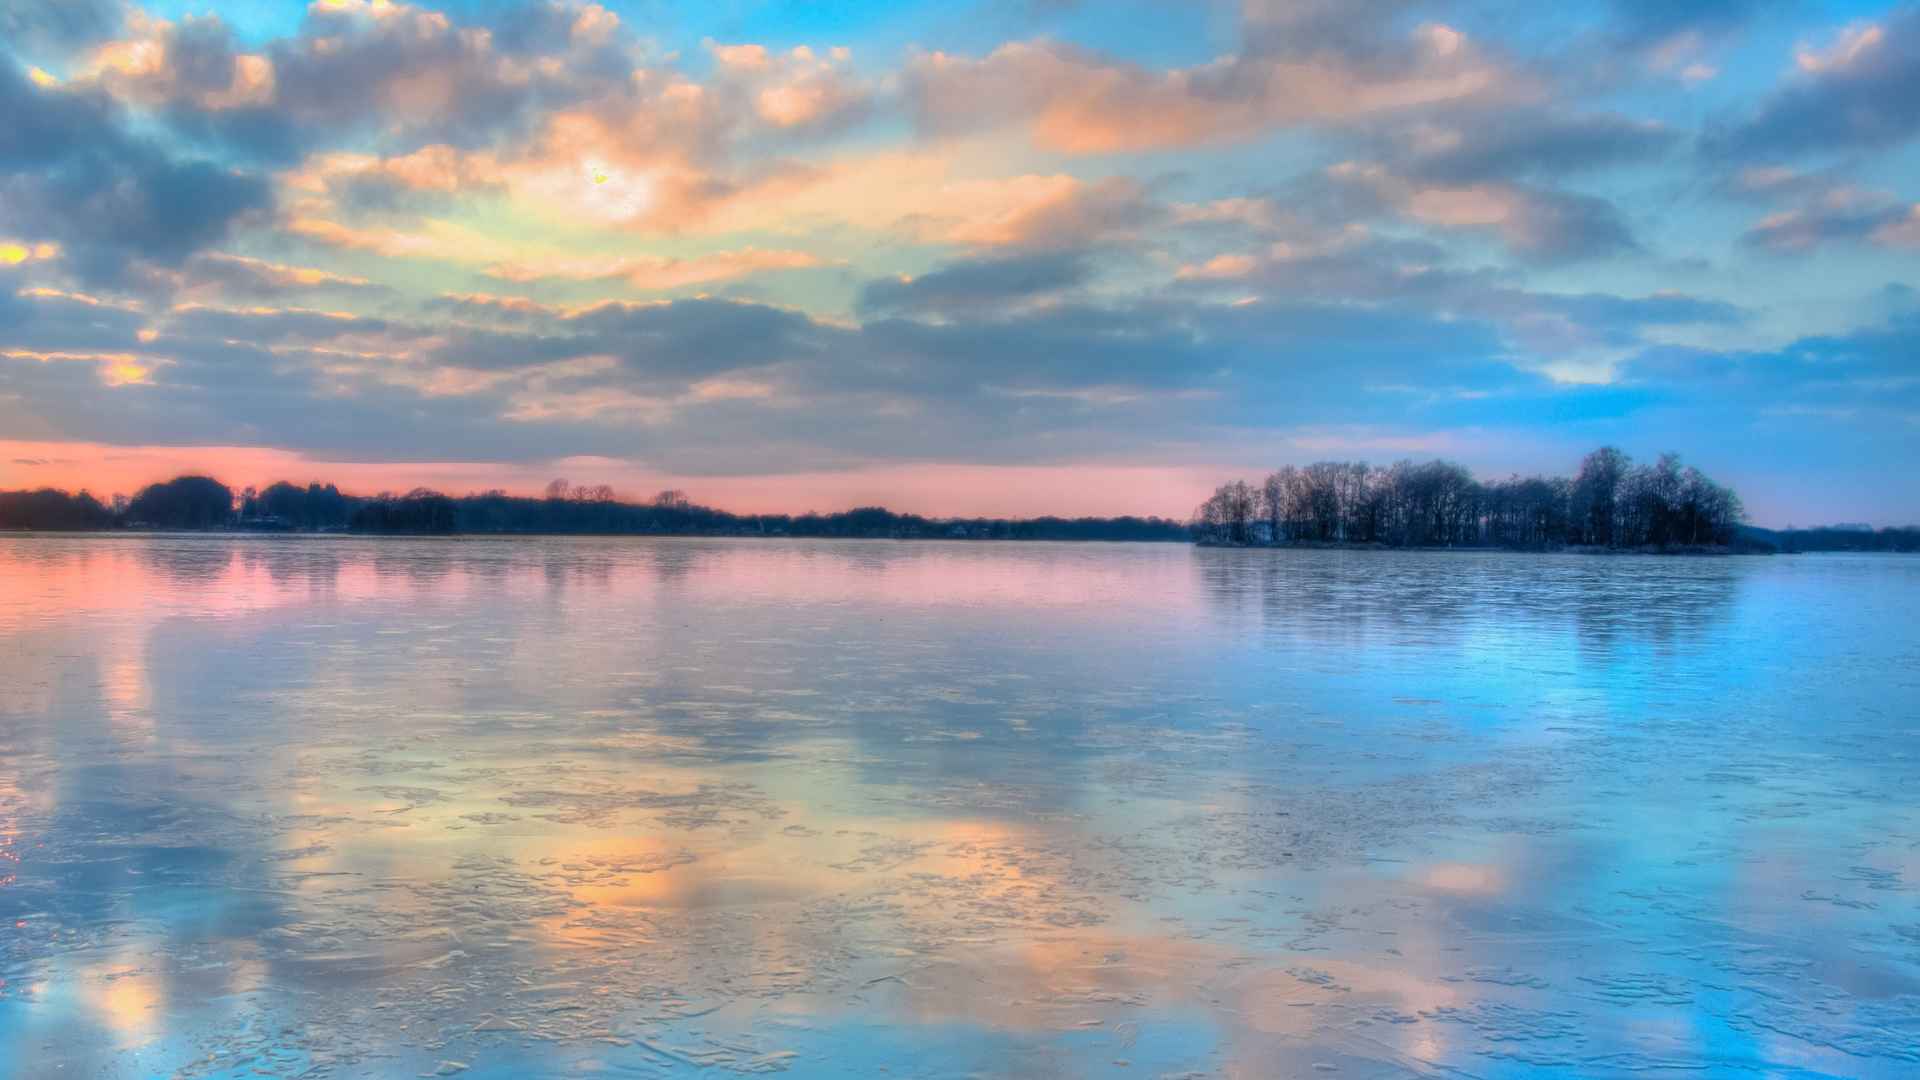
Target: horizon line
618	497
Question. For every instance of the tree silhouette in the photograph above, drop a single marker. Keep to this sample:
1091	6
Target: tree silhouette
185	502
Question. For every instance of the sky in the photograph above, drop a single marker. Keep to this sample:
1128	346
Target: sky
965	256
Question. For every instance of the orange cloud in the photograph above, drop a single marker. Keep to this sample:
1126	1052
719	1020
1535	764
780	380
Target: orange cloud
275	274
1079	103
145	67
631	173
505	305
654	151
433	240
936	196
87	299
1220	268
656	272
116	369
438	168
798	88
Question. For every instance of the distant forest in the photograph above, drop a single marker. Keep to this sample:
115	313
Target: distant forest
200	502
1836	538
1611	503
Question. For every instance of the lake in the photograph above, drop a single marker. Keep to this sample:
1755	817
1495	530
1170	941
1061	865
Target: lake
624	807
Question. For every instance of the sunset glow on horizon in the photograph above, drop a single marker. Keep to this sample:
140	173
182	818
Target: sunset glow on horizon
1002	257
930	489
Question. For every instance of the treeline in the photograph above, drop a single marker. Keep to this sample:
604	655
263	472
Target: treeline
1610	503
1840	538
200	502
50	509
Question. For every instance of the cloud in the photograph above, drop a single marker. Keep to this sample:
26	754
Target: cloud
394	232
1900	232
491	306
1575	335
37	28
1541	224
657	272
72	174
1080	102
428	240
354	69
264	325
192	64
1821	207
239	275
1057	212
552	106
656	155
51	320
367	180
1865	376
994	283
797	90
1475	145
936	196
703	337
1680	42
1858	91
962	368
1841	213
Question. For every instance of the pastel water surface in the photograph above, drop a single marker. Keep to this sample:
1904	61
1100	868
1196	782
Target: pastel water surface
503	808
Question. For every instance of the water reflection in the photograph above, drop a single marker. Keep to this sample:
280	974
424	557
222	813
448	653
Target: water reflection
1433	597
330	806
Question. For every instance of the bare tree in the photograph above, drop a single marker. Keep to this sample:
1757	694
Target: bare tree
1596	491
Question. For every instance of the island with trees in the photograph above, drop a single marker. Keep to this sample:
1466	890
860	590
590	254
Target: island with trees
1610	504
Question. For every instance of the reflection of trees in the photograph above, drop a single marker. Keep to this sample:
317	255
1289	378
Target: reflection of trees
295	563
591	564
1659	602
187	560
423	563
560	562
1445	597
673	562
47	557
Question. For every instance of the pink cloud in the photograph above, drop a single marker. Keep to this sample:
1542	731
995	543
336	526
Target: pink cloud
1081	103
146	67
1902	232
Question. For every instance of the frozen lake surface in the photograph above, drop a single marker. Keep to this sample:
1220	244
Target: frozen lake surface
633	808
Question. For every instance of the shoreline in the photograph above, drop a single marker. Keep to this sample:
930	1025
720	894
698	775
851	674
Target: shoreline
1754	547
313	534
1701	550
309	534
